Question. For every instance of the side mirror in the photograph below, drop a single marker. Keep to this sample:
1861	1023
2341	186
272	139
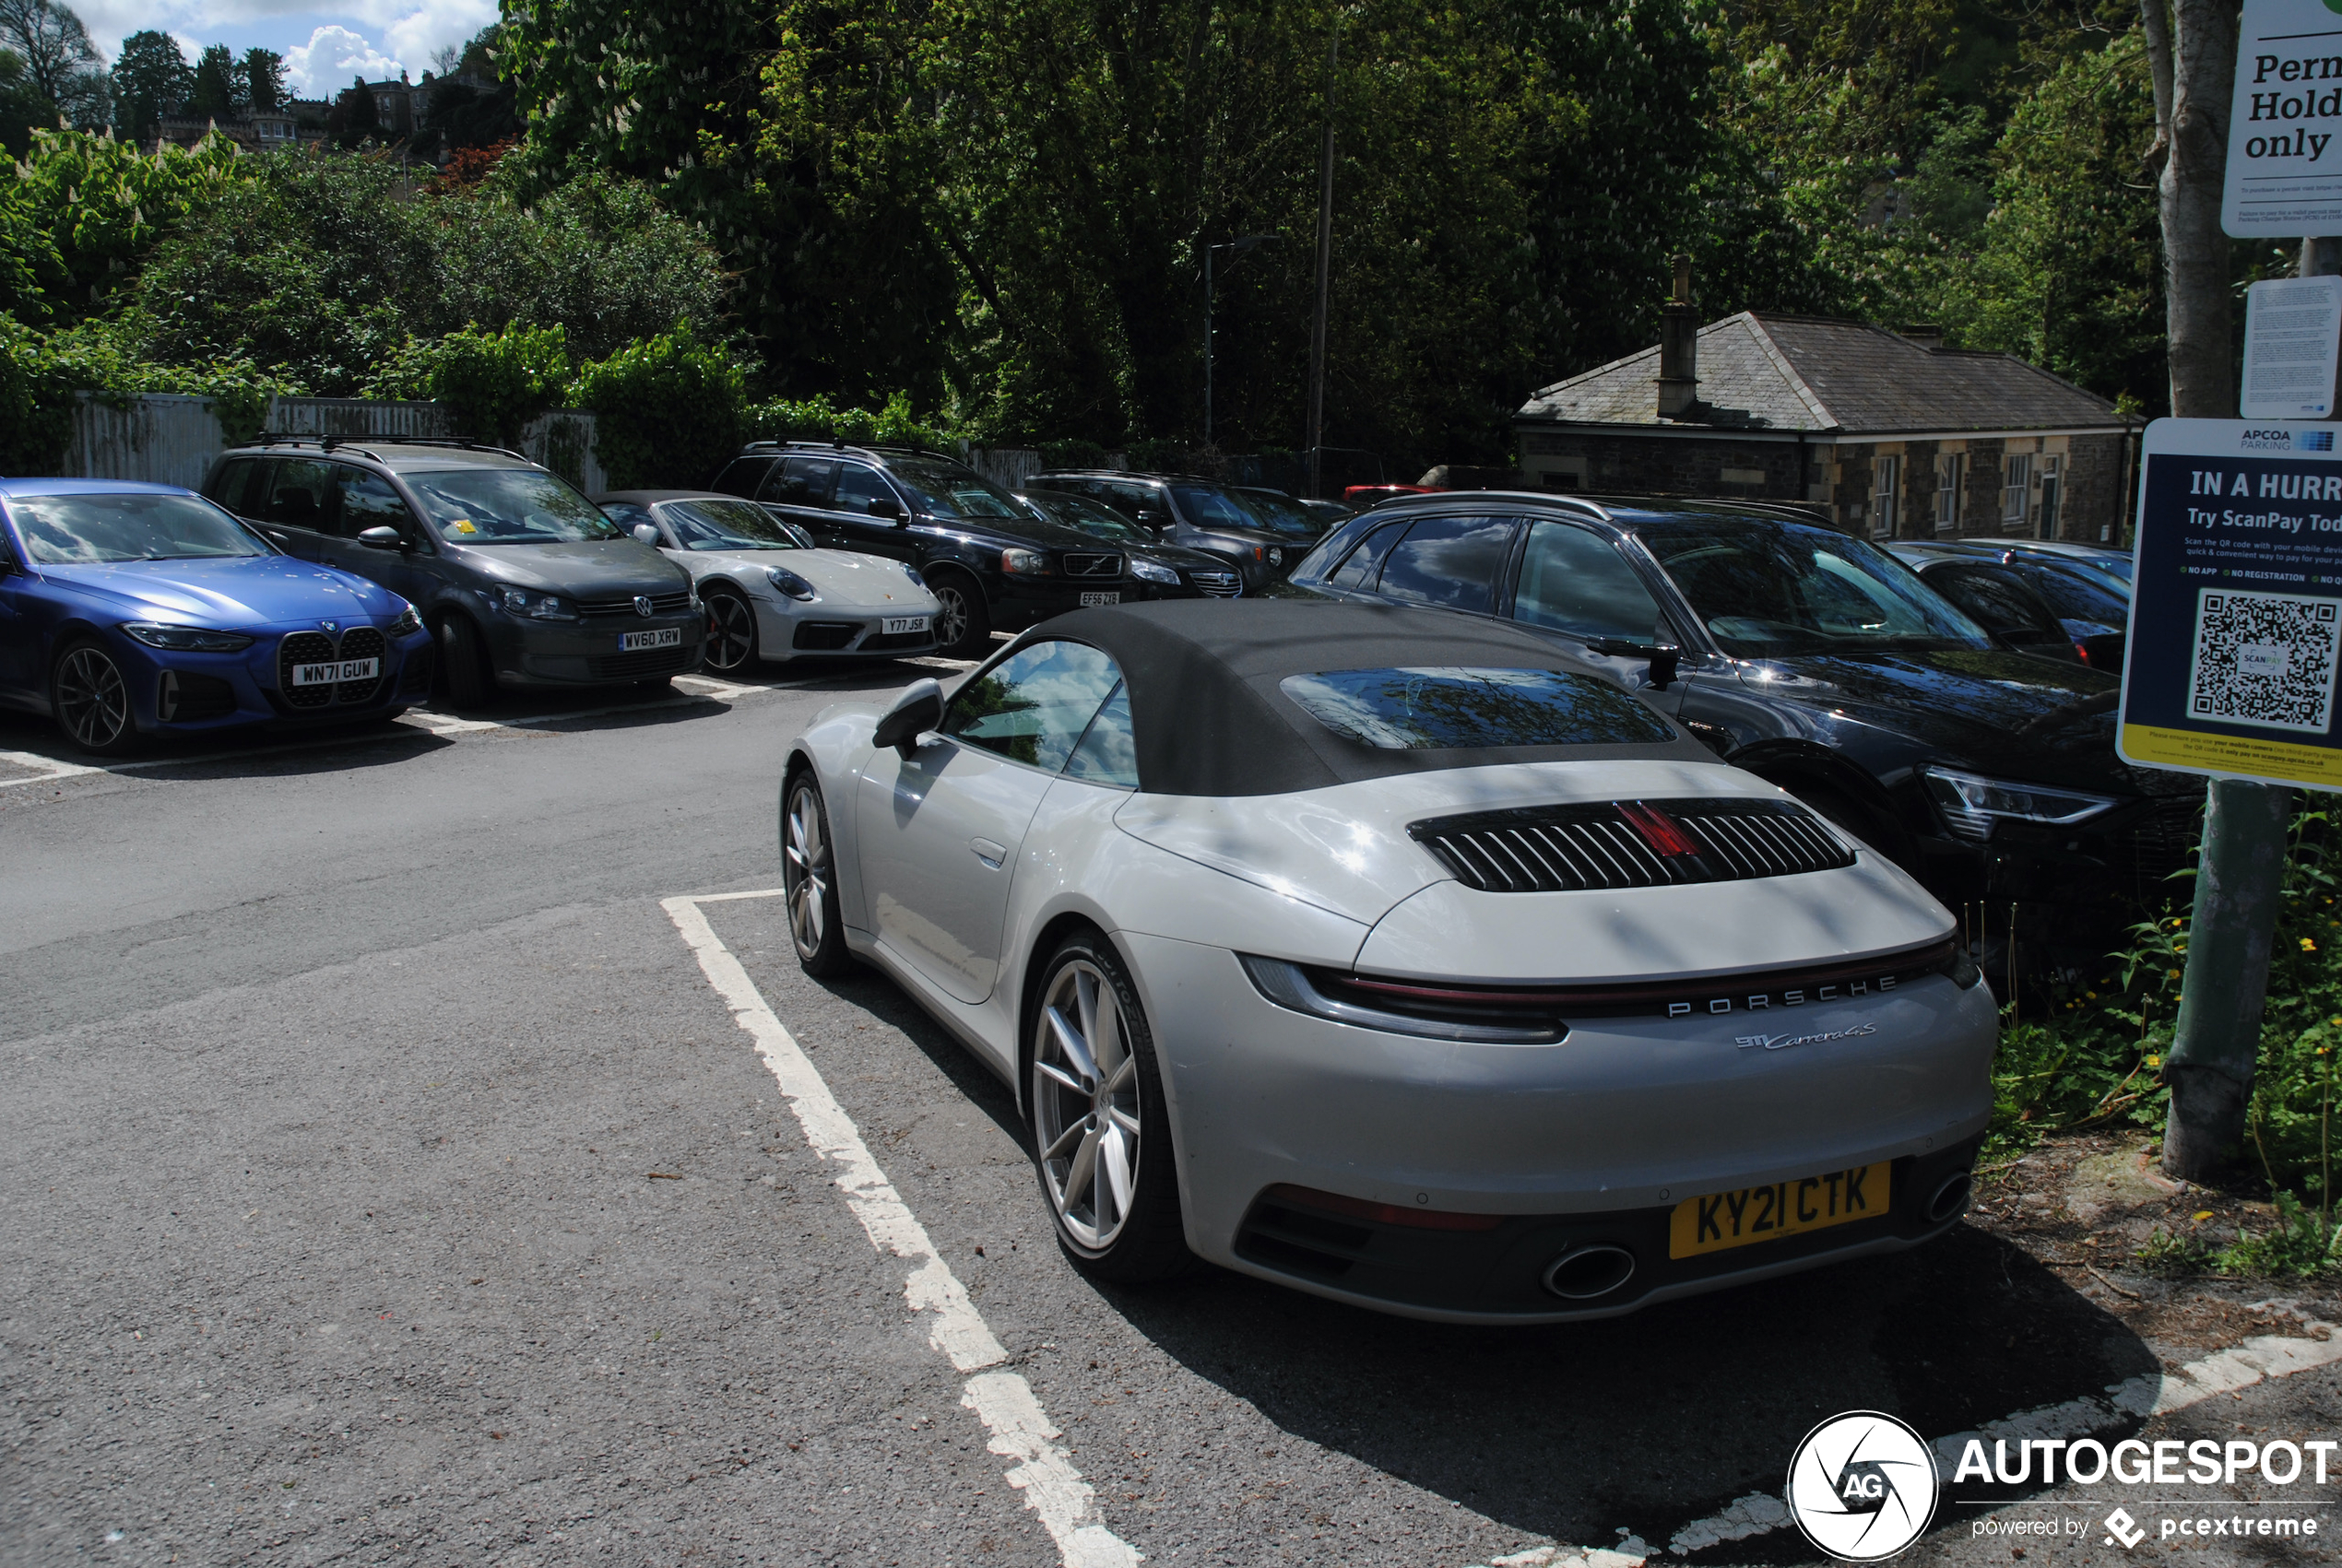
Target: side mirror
1665	657
645	534
917	711
1152	516
886	506
381	538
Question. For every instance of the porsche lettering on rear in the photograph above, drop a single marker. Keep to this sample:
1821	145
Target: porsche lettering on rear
1762	1000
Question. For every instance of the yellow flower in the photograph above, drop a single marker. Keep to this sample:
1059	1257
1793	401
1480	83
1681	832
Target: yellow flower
2308	946
2202	1214
2091	994
2175	974
2155	1061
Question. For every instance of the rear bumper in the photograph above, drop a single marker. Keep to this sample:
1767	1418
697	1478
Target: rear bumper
1604	1133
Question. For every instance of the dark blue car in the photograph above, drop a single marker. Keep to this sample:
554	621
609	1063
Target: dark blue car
132	609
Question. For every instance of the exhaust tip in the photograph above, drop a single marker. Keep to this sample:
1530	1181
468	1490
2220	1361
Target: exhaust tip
1950	1200
1583	1273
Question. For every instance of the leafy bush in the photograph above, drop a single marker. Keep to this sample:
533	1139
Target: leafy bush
492	384
1073	455
99	207
815	419
42	376
668	411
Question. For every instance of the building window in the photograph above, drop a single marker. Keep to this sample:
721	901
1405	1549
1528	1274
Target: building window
2016	491
1951	469
1886	483
2053	491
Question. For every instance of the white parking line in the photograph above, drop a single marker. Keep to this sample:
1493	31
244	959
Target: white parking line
1019	1427
2150	1394
45	767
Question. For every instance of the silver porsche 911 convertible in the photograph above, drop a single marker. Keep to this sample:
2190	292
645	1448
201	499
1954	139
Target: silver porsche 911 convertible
1393	955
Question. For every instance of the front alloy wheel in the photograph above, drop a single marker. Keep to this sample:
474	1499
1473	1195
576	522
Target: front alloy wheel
808	883
91	701
1100	1137
731	633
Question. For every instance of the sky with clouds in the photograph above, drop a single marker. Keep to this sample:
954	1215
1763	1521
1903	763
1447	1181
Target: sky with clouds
323	45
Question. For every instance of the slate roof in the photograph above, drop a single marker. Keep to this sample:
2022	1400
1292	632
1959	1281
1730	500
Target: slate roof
1817	375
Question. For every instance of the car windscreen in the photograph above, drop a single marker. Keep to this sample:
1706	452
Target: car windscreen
1447	708
507	506
1209	506
1774	590
67	530
947	490
1080	512
1288	518
725	526
2075	596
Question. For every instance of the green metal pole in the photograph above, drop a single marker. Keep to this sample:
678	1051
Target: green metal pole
2219	1036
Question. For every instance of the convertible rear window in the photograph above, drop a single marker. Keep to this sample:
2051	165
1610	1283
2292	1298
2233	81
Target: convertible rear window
1455	708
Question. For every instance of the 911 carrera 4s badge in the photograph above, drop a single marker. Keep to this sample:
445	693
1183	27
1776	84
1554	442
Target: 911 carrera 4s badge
1721	1220
1784	1041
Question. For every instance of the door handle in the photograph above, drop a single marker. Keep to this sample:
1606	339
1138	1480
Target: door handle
991	853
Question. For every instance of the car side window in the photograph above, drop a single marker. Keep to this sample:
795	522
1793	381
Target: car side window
742	475
301	494
368	501
857	487
1575	581
1450	562
627	515
235	481
1130	499
1364	564
1033	706
800	481
1995	601
1108	752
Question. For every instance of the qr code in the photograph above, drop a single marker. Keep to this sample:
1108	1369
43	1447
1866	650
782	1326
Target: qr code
2265	659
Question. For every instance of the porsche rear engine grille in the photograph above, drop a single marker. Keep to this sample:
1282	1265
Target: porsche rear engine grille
1630	844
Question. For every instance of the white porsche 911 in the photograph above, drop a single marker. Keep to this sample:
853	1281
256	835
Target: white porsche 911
770	592
1393	955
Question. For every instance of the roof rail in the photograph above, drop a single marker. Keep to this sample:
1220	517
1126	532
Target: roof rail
328	440
1777	508
839	443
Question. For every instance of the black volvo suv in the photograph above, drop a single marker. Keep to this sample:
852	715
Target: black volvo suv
1822	663
987	558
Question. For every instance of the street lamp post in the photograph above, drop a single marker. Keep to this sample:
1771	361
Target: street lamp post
1239	246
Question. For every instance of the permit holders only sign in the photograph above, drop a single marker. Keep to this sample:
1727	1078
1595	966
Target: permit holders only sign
2285	123
2236	606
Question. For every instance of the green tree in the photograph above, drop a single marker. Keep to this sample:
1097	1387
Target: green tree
64	65
102	206
355	117
151	78
261	76
215	87
23	109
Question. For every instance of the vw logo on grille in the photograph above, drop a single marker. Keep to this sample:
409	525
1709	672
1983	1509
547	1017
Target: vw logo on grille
643	605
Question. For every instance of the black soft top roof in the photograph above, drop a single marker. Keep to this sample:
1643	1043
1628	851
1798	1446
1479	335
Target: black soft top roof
1210	718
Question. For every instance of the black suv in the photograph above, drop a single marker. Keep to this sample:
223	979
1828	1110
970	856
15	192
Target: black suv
1195	514
520	578
1822	663
986	557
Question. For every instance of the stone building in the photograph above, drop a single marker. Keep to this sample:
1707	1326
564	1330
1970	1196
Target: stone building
1888	434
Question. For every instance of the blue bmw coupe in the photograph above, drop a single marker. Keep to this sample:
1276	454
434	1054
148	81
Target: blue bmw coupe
133	609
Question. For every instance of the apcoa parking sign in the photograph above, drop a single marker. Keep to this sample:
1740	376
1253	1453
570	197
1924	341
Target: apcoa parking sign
2236	610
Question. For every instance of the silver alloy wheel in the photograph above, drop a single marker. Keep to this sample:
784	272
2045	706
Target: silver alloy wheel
950	614
731	631
1085	1104
92	702
806	870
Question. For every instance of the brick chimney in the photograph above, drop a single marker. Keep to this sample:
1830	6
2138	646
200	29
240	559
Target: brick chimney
1679	350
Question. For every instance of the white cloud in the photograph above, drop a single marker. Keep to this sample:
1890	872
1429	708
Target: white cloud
332	57
408	31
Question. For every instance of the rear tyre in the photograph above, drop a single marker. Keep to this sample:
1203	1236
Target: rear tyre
89	697
809	881
731	633
462	664
963	623
1101	1134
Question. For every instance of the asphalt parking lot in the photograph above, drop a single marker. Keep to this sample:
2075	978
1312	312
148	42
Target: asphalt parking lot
394	1178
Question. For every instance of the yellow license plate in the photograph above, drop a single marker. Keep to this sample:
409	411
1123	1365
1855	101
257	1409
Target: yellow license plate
1722	1220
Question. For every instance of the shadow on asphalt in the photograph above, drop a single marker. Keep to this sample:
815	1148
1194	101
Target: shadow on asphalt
1647	1421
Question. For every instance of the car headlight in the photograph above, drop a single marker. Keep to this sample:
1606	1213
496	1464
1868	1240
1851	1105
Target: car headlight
186	639
1971	804
536	607
913	574
1276	556
1154	572
789	583
1025	563
407	623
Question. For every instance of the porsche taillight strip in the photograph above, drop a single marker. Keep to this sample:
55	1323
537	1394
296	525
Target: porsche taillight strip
1630	844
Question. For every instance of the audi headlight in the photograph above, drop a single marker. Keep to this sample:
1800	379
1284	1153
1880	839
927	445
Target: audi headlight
536	607
1971	804
1154	572
913	574
186	639
1025	563
407	623
789	583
